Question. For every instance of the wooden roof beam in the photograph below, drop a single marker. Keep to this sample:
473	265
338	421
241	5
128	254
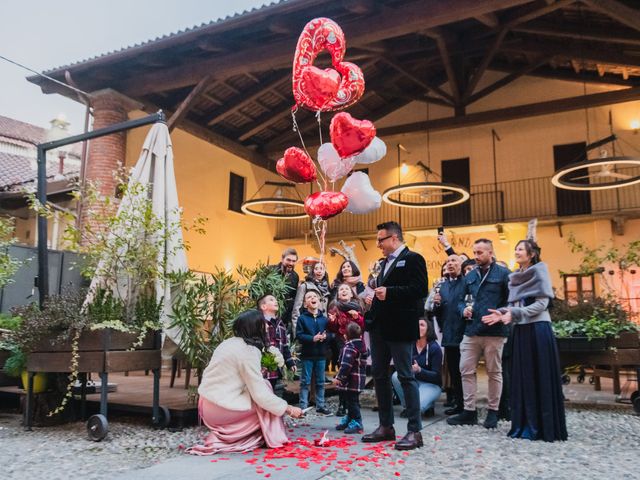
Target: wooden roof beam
507	80
569	75
188	103
443	40
245	98
388	24
618	11
567	31
479	72
582	54
489	19
422	83
517	112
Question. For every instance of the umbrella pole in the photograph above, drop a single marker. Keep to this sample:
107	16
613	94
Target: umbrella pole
43	254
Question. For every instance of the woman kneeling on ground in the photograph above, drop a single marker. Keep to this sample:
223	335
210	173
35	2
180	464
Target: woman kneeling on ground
236	403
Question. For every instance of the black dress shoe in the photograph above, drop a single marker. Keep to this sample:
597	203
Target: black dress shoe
449	403
467	417
429	412
456	409
410	441
380	434
492	419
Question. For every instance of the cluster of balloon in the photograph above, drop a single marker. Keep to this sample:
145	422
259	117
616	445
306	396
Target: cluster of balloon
353	141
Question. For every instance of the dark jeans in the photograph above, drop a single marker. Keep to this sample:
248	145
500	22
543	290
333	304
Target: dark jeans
382	351
452	355
353	405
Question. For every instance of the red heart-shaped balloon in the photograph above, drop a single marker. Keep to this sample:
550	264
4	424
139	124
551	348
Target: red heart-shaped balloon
296	166
318	35
350	136
325	204
320	86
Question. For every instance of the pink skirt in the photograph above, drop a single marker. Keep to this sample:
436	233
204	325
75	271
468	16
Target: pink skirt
238	431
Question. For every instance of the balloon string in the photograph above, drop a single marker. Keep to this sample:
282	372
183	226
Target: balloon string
318	115
304	147
320	231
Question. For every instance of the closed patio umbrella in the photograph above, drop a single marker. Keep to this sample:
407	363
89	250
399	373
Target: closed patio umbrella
155	168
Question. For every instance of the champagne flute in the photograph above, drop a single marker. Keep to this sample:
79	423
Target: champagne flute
374	269
468	301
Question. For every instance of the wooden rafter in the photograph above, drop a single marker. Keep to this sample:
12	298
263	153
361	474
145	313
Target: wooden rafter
263	121
188	103
422	83
618	11
569	75
489	19
579	33
245	98
443	40
388	24
520	16
573	51
484	64
517	112
506	80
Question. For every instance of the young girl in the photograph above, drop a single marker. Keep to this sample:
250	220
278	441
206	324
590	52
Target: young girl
351	377
341	312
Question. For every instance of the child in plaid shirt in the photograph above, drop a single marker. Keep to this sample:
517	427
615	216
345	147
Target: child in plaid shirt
351	377
276	335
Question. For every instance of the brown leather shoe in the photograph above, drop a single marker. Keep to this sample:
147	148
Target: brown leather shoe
410	441
380	434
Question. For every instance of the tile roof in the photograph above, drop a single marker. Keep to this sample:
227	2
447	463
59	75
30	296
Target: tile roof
26	132
202	26
16	171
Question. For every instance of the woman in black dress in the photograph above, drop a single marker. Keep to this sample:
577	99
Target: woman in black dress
537	402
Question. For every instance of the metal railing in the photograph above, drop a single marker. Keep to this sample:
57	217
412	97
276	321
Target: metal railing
518	200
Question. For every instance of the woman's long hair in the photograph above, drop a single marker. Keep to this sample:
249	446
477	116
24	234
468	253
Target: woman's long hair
312	278
431	331
250	327
355	272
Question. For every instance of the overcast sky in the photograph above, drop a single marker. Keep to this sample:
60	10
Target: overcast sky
43	35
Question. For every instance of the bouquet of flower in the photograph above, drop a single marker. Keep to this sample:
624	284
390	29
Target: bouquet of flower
272	359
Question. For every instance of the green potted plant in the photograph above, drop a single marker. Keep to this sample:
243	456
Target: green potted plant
209	302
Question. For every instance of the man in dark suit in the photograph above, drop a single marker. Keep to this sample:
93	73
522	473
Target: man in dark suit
393	327
286	268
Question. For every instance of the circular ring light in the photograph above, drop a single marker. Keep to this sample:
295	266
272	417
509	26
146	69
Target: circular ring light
248	208
560	177
458	193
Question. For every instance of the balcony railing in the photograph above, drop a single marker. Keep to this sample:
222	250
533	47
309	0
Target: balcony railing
518	200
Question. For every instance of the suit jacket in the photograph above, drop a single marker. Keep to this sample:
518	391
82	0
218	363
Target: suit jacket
396	318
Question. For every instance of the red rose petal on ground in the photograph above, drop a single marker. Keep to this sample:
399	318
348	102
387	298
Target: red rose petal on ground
397	474
437	438
267	475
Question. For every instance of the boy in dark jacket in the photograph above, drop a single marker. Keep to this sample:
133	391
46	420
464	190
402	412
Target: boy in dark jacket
311	332
351	377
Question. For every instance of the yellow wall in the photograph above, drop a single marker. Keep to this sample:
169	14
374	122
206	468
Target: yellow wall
202	176
526	151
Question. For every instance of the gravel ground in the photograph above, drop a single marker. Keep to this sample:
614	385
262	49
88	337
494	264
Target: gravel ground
602	444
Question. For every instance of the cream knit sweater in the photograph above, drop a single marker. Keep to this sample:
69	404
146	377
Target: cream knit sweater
233	379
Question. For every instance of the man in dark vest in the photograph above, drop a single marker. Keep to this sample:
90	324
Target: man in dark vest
396	306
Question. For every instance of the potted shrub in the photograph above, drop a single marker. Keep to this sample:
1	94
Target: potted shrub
209	302
593	326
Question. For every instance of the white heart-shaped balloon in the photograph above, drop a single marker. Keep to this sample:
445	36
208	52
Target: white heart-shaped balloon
376	150
362	197
331	164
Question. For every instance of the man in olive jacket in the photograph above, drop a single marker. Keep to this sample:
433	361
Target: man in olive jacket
396	306
488	284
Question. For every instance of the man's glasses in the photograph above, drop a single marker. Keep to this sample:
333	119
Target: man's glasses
380	240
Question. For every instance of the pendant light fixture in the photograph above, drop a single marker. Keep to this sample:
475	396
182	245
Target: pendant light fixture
425	194
276	204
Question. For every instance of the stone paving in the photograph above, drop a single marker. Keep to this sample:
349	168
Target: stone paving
603	443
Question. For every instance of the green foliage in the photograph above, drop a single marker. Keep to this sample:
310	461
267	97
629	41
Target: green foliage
603	317
8	265
16	363
9	322
208	304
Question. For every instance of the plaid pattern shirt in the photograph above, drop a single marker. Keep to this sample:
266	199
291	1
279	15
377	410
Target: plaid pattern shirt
352	375
277	336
